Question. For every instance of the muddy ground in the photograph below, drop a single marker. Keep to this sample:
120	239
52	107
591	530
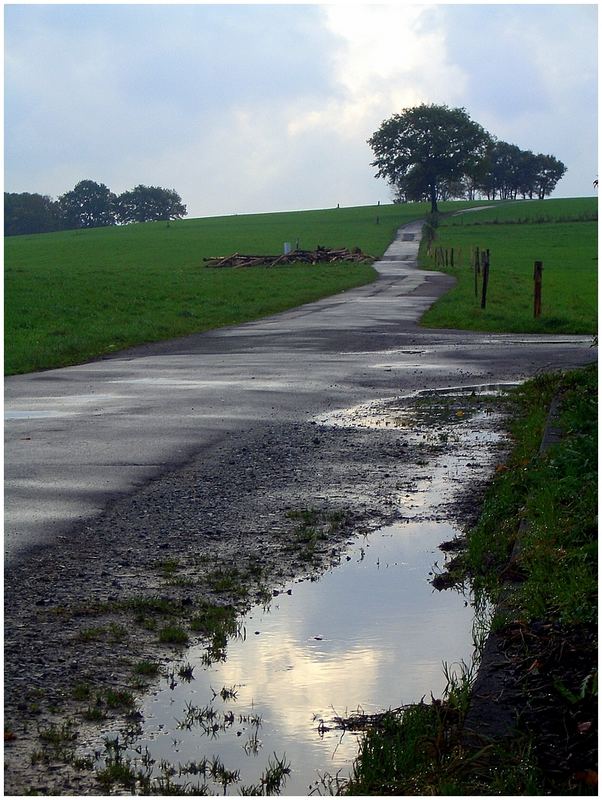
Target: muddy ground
225	529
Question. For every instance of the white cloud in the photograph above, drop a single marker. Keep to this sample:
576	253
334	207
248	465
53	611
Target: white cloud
385	58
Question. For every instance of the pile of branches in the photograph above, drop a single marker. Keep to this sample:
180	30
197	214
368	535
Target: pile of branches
317	256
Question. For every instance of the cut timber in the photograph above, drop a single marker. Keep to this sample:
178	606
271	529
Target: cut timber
320	255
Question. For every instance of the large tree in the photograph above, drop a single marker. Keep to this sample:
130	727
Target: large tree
88	205
426	146
147	203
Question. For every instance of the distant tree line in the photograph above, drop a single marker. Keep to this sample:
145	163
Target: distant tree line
88	205
432	152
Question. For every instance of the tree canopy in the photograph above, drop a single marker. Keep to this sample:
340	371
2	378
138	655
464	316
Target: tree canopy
89	205
146	203
424	146
507	172
30	213
432	152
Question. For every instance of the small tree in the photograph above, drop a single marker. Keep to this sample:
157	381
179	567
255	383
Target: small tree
549	170
424	146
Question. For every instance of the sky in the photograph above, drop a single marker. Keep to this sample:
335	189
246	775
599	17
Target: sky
254	108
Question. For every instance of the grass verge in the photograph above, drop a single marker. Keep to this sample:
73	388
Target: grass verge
560	233
548	625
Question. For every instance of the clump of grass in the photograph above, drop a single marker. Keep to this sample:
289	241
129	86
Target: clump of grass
119	698
82	691
186	672
155	605
307	517
117	772
147	609
58	742
146	668
57	735
173	634
228	580
211	619
167	567
95	713
313	526
273	778
418	750
92	633
217	623
113	632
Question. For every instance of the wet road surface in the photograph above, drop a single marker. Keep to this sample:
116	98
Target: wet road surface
79	437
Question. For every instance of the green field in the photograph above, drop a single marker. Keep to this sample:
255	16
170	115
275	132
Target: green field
74	295
560	233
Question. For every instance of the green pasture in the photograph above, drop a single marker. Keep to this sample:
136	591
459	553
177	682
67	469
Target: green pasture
75	295
560	233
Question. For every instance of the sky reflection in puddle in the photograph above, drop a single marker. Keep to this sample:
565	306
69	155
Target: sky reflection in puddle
371	634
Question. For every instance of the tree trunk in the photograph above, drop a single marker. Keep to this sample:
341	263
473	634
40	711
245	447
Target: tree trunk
434	208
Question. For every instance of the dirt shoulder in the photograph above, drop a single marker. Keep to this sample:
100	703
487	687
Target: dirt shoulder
222	531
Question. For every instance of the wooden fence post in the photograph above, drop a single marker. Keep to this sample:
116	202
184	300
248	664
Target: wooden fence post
537	276
485	265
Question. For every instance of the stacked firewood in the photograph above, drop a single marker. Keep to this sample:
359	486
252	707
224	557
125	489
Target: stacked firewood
317	256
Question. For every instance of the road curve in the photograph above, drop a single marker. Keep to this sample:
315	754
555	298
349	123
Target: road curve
79	437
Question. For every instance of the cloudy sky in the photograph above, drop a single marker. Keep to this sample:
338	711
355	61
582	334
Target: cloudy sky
248	108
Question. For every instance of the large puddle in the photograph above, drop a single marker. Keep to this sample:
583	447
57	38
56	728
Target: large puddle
369	635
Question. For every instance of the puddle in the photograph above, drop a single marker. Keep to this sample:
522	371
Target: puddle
434	411
369	635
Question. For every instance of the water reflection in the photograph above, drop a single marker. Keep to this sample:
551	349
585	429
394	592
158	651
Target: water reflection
371	634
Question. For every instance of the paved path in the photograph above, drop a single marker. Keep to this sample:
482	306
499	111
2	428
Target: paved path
78	437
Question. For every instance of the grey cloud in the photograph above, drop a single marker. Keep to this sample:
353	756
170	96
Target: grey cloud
199	97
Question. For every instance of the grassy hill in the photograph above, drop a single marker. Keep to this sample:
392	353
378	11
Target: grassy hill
74	295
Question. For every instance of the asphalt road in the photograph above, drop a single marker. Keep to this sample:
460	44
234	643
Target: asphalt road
79	437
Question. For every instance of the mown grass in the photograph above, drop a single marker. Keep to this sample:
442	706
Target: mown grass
74	295
560	233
